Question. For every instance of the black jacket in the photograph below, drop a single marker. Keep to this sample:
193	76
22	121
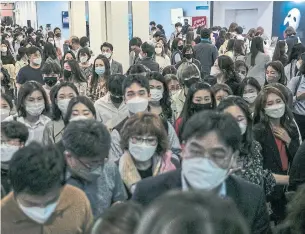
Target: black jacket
249	198
297	170
149	63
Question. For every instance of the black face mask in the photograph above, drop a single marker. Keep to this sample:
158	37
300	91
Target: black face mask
50	80
188	83
196	107
188	56
67	73
180	47
116	99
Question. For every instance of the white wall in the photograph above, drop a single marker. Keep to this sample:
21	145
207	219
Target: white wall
265	12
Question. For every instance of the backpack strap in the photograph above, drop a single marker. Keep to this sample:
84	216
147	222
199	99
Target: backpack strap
297	86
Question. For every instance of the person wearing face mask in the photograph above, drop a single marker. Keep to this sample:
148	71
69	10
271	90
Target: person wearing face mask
136	90
32	107
160	103
176	49
199	97
221	92
51	72
297	87
161	58
206	52
187	74
6	106
6	55
276	131
13	137
212	142
75	45
241	68
41	201
31	72
248	90
172	84
61	95
111	109
134	45
176	34
22	59
87	144
49	54
100	75
188	56
146	150
84	64
107	51
18	37
59	40
146	57
249	164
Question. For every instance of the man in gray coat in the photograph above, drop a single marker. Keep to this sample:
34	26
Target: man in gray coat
206	52
107	51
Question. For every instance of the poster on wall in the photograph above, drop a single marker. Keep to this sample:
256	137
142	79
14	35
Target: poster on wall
65	19
286	14
199	21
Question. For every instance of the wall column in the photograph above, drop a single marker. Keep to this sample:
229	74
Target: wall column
77	17
140	19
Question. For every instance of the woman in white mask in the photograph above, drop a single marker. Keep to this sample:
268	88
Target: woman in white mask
277	133
221	91
161	58
32	107
248	90
172	83
145	145
60	98
83	57
249	164
159	102
6	106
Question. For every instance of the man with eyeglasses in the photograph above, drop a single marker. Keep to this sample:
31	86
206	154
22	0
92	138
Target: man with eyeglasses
87	145
212	143
33	70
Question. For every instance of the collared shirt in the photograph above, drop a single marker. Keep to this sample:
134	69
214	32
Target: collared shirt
178	100
108	113
35	130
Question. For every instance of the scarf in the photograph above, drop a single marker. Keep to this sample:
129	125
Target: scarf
130	174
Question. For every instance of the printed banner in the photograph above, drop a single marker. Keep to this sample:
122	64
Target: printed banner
199	21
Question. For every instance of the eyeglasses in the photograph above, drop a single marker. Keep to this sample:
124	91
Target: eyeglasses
149	140
91	165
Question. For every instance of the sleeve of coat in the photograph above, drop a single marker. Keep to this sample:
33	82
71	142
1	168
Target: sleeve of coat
120	68
88	221
261	224
297	172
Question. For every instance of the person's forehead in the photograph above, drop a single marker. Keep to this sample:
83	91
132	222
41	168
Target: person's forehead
35	94
106	48
272	97
135	87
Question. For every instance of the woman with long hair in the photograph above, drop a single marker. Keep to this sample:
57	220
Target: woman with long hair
221	38
257	59
84	56
249	88
250	160
99	77
292	68
239	50
49	53
230	48
176	49
280	52
160	57
276	131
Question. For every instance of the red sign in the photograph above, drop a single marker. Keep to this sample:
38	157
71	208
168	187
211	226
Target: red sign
199	21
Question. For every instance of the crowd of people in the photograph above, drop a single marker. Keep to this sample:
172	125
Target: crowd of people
204	133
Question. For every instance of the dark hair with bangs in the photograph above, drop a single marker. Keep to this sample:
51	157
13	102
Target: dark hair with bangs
145	123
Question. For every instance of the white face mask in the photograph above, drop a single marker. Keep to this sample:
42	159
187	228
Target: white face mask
156	95
35	108
37	61
179	29
243	127
299	63
250	97
275	111
215	70
4	49
141	152
20	38
202	173
38	214
5	113
137	105
83	59
107	55
7	152
158	50
63	106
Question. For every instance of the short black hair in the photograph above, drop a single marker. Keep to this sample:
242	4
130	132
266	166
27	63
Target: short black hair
7	99
114	84
137	69
75	40
36	169
205	33
178	25
51	67
139	79
148	49
153	28
87	138
106	44
223	124
83	41
169	70
26	89
239	30
56	29
84	50
15	130
152	23
79	99
248	81
135	41
32	50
